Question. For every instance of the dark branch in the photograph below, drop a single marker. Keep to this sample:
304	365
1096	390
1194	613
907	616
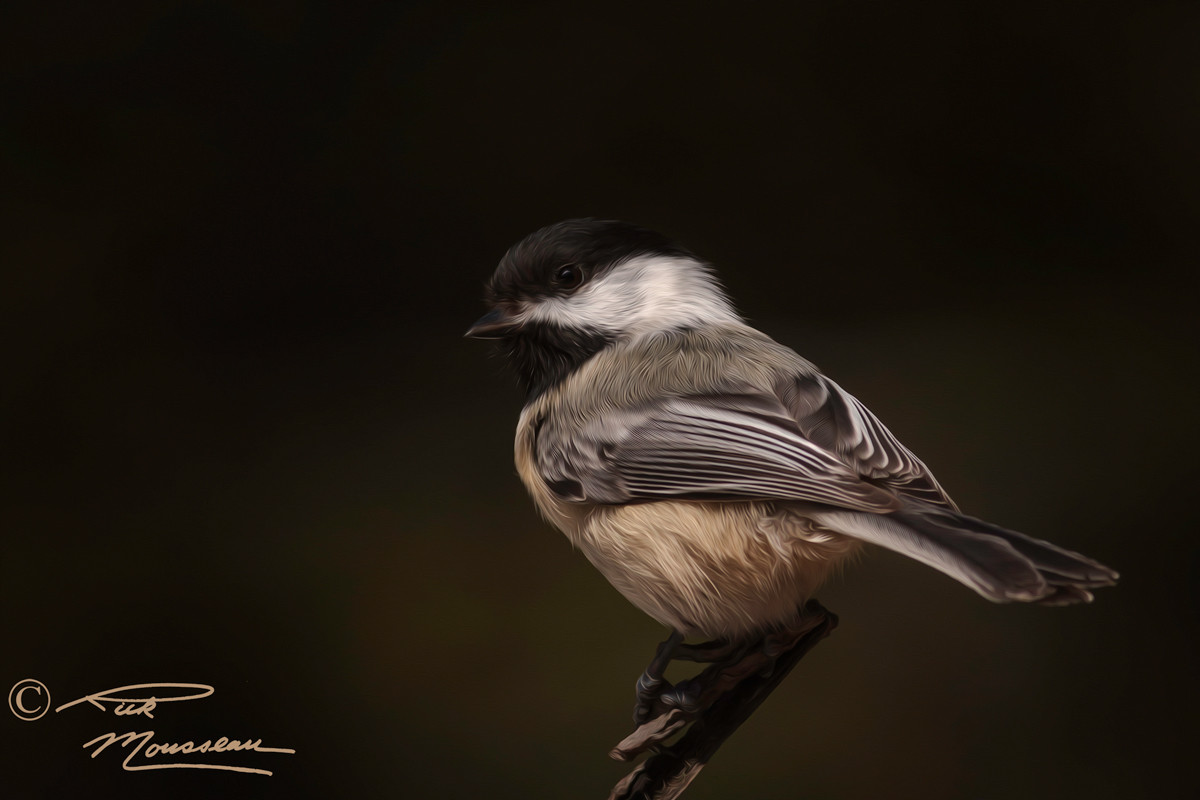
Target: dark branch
667	773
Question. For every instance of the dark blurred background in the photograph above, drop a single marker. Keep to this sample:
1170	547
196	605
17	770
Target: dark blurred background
245	445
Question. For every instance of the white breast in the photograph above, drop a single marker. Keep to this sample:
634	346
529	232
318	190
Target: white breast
710	569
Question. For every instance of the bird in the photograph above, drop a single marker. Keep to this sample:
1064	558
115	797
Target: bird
715	477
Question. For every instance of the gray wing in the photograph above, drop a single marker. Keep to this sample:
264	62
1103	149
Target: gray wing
711	447
835	420
807	441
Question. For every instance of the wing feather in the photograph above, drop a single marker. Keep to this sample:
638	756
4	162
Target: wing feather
717	447
835	420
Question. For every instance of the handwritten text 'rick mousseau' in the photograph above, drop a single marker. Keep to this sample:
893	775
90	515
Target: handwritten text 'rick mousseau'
30	699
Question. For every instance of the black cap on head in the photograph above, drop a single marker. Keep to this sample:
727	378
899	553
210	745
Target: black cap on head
530	268
546	340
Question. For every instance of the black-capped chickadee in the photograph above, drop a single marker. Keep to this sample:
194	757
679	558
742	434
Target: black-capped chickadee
713	476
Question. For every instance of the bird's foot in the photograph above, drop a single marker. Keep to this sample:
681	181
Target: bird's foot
664	709
740	661
694	736
656	695
652	684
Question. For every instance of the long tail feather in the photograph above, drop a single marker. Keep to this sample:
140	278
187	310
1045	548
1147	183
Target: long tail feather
1000	564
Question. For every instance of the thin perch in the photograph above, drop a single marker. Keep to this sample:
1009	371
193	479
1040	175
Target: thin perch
669	771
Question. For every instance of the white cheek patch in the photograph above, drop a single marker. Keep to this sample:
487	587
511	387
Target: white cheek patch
640	296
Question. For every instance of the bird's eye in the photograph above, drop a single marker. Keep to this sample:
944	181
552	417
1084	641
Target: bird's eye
568	276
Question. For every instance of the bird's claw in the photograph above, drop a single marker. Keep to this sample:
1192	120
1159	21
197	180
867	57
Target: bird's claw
687	696
664	708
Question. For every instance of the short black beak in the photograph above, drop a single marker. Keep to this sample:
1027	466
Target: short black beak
492	325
